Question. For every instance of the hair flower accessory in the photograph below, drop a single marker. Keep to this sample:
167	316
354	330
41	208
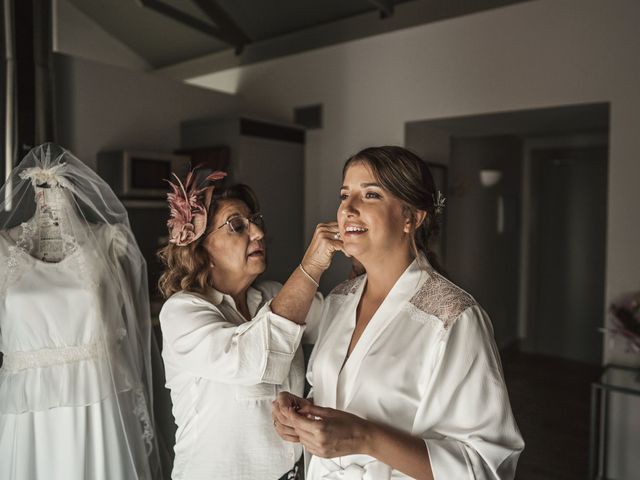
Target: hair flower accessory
439	203
188	204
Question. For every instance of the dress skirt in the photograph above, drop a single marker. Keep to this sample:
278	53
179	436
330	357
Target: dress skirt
65	443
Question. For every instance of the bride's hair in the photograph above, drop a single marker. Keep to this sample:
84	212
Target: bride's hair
188	267
408	178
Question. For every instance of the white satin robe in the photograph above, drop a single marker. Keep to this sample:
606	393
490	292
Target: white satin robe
426	364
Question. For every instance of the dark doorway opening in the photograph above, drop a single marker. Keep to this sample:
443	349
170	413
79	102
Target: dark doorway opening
568	235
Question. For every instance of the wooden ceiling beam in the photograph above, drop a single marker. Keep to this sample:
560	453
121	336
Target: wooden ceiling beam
384	6
219	32
224	21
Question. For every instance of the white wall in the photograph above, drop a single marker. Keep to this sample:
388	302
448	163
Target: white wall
104	99
102	107
476	249
532	55
78	35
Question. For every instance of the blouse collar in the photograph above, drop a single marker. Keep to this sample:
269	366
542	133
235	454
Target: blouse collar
254	299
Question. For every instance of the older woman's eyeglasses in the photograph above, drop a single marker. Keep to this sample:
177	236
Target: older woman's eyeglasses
239	224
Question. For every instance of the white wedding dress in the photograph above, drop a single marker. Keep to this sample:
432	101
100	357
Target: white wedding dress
64	383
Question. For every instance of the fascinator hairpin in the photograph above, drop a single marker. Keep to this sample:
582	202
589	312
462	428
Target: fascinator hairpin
188	208
439	202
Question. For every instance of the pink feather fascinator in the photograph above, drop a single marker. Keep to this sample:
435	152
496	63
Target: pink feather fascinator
189	204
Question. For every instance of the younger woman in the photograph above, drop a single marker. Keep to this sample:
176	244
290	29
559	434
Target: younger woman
406	377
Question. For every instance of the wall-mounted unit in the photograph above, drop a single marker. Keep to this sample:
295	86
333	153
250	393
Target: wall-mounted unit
140	174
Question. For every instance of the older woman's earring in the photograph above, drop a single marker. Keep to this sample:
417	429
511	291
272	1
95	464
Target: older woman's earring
211	265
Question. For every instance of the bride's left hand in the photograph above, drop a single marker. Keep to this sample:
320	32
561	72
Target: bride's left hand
328	433
283	408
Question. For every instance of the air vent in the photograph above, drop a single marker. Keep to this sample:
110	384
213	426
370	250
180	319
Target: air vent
309	117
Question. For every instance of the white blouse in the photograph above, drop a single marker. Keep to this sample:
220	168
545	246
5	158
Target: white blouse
426	364
224	372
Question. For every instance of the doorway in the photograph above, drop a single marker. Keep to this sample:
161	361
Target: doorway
567	252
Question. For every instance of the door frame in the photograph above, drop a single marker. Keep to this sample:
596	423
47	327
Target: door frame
584	140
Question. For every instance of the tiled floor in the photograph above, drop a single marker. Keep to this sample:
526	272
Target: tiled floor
550	400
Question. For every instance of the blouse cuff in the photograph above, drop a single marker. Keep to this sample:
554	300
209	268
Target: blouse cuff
447	459
283	341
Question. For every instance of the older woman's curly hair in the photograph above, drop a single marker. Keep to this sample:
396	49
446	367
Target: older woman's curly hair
189	267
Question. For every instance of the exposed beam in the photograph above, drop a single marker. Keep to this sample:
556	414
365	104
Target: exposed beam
384	6
406	15
190	21
224	21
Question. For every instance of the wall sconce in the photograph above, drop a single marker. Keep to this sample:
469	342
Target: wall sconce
490	177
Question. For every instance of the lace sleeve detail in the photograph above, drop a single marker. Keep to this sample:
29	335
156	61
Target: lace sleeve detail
442	299
348	286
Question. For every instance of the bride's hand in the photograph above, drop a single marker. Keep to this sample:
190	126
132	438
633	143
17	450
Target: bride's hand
283	409
328	433
325	243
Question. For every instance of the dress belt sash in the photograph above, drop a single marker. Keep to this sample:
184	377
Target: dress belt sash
46	357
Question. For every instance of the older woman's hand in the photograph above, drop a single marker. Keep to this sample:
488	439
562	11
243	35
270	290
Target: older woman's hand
283	409
324	244
329	433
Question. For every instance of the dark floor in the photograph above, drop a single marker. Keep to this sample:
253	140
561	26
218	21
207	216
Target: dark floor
550	400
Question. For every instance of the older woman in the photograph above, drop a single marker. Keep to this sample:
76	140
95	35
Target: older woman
407	382
229	344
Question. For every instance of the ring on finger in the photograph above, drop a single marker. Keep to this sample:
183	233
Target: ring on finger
337	236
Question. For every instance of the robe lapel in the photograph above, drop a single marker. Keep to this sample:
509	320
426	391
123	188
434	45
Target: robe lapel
401	293
335	345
